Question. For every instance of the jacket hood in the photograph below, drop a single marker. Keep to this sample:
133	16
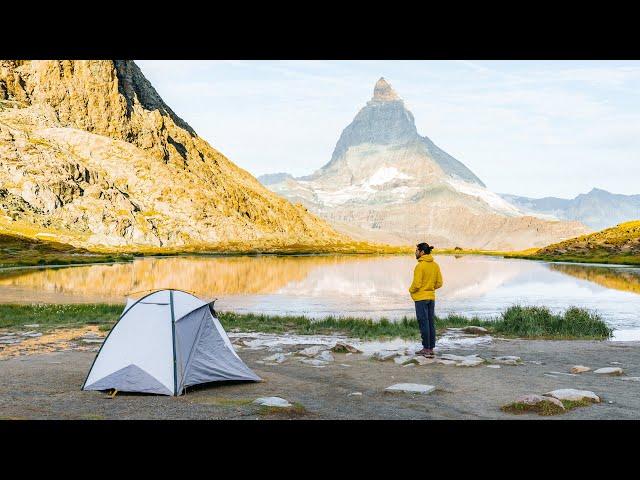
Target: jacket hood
426	258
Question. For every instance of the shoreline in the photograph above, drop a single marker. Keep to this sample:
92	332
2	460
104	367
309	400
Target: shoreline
46	385
526	322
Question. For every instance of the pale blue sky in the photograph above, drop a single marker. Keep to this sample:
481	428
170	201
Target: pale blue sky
532	128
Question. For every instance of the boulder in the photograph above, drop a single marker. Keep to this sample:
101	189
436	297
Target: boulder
410	388
341	347
580	369
573	395
609	371
272	402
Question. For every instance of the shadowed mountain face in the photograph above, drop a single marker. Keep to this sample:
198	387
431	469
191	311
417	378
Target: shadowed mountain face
388	183
597	209
90	155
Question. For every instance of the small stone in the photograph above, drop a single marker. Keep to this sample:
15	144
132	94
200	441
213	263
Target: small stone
631	379
272	402
573	394
344	365
445	362
312	351
325	356
563	373
341	347
609	371
507	360
470	362
314	362
420	360
409	365
494	366
475	330
402	359
31	334
383	355
92	340
410	388
580	369
615	363
455	358
278	358
32	325
9	340
533	399
355	394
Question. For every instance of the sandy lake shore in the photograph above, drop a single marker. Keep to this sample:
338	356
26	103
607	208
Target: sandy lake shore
44	383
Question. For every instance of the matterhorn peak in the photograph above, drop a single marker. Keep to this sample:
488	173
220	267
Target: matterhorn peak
383	92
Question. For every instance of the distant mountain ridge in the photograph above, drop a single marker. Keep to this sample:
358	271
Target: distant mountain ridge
597	209
385	182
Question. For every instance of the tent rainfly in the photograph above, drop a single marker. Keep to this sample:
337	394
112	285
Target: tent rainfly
162	343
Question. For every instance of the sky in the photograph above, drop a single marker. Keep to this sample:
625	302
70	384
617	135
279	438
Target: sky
530	128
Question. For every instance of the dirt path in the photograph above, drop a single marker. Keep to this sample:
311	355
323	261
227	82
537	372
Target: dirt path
46	386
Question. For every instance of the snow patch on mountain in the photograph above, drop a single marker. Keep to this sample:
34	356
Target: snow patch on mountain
495	201
386	175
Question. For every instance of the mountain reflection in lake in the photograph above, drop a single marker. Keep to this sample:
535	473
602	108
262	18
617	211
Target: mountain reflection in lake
368	286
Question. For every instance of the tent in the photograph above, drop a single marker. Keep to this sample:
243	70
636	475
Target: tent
162	343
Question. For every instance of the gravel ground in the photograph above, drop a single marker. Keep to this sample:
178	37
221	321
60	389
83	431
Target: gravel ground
47	386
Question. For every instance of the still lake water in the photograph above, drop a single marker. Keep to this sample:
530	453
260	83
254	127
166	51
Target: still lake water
367	286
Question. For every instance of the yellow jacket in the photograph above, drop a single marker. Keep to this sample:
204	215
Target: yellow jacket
426	279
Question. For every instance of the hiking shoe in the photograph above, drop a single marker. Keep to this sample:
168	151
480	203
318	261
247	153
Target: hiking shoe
424	352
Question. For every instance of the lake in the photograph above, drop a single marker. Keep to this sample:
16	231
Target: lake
366	286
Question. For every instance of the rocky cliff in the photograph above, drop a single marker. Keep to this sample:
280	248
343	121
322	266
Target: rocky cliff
90	155
388	183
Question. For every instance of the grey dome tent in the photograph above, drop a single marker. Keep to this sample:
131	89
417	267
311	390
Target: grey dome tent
162	343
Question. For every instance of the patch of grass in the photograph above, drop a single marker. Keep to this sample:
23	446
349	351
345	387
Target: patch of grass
58	315
224	402
516	321
540	322
545	409
295	410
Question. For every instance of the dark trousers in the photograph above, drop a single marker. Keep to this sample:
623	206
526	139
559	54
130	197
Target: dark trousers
425	311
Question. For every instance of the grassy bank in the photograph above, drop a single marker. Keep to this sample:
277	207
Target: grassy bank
592	257
516	321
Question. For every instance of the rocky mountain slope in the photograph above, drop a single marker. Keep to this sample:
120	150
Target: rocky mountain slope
619	244
90	155
597	209
388	183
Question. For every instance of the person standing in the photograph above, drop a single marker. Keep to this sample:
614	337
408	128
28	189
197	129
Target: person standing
426	280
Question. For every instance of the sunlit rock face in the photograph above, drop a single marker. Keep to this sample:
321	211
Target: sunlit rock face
386	182
91	155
